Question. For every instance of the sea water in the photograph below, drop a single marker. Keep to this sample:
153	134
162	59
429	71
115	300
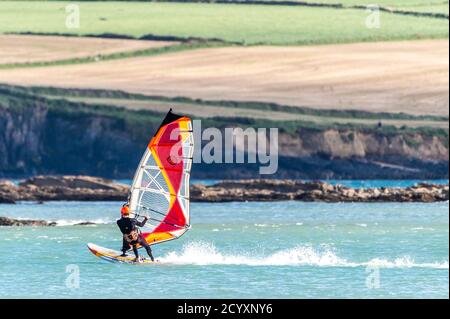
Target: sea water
235	250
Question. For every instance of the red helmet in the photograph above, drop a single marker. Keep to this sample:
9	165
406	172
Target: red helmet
125	211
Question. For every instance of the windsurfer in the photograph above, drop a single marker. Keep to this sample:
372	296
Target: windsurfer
131	234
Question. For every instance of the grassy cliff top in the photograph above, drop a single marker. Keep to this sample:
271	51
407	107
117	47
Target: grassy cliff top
60	101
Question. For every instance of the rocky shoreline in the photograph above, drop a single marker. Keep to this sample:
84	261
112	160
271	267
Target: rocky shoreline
7	221
70	188
276	190
87	188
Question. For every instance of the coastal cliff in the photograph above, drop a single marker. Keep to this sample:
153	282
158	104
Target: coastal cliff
55	136
86	188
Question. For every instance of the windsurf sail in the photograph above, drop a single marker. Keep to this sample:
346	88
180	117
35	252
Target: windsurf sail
160	187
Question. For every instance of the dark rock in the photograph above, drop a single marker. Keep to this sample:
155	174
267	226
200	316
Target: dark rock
45	188
8	192
73	182
6	200
85	224
6	221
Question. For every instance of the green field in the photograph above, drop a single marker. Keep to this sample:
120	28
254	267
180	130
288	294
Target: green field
247	110
425	6
246	24
386	3
442	8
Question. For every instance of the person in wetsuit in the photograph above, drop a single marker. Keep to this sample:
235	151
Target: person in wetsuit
131	234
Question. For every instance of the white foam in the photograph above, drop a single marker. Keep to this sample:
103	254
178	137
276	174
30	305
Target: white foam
268	225
72	222
422	228
405	262
203	253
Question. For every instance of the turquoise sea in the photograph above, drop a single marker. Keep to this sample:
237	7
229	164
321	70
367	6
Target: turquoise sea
249	250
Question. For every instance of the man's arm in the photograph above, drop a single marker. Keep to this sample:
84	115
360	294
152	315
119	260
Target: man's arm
142	223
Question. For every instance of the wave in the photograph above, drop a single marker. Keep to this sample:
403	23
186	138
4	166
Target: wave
422	228
276	225
203	253
72	222
405	262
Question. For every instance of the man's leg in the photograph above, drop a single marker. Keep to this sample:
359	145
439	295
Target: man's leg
135	250
125	247
147	247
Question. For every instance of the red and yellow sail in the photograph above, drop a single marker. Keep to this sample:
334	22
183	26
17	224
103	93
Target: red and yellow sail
160	186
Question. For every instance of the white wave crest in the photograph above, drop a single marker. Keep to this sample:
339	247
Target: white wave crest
203	253
72	222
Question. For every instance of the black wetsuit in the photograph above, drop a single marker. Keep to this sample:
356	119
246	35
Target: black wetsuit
127	225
